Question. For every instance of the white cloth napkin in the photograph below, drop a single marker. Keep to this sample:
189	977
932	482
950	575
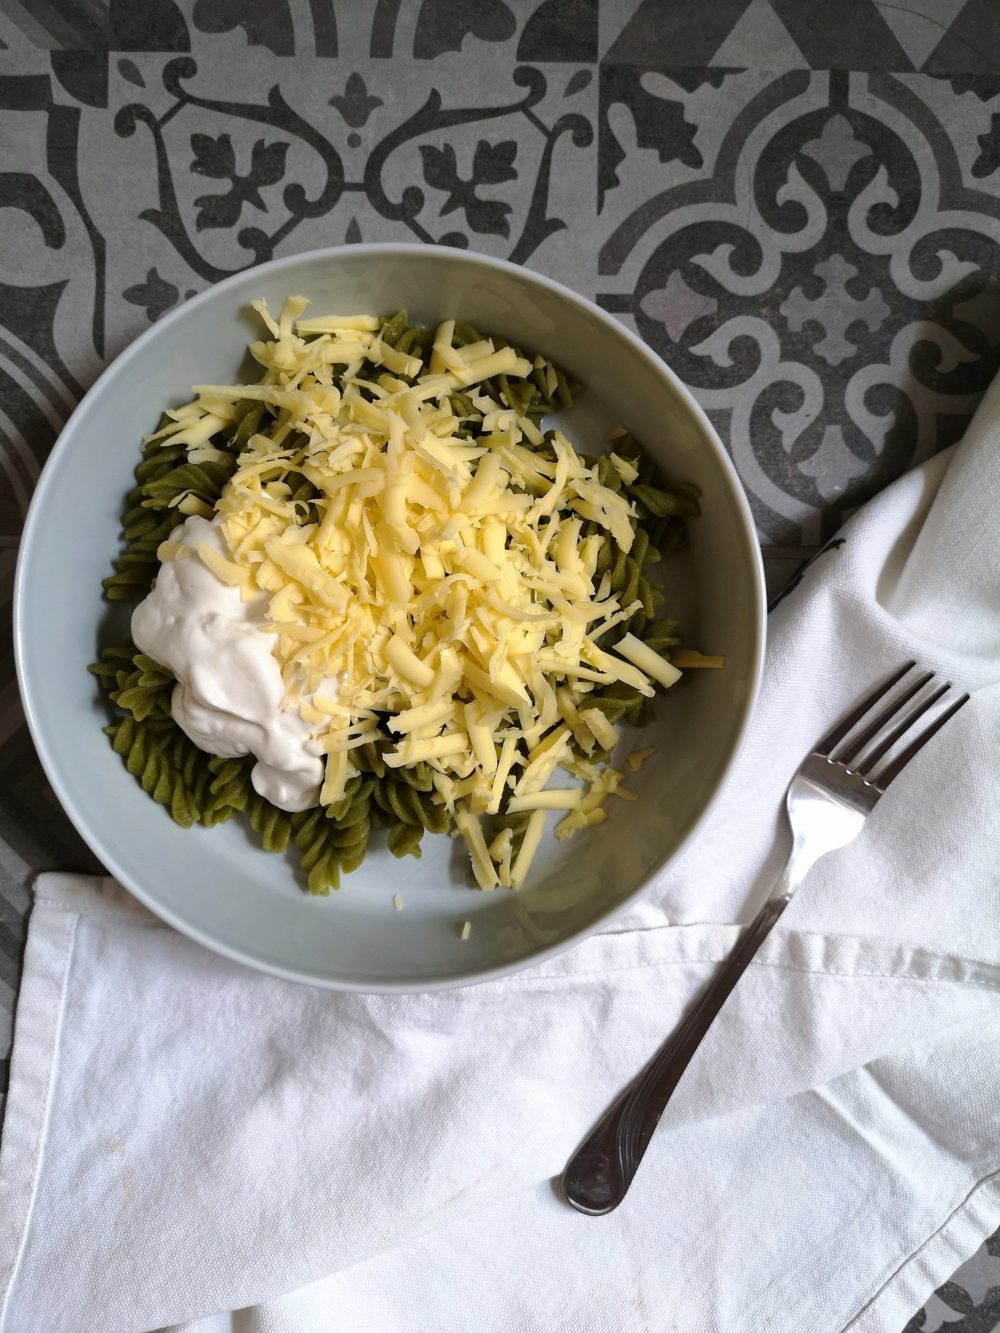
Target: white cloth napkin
186	1137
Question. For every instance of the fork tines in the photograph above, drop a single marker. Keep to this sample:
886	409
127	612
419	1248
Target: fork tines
893	713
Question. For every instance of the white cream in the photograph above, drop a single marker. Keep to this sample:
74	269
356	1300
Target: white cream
229	695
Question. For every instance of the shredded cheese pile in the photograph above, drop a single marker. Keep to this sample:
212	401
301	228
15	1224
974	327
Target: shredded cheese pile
436	586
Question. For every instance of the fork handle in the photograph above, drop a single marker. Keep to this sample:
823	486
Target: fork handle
599	1173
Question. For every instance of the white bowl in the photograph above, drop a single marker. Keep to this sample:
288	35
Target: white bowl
215	885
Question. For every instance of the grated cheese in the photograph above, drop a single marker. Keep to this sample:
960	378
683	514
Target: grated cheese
637	758
529	846
688	658
649	662
485	872
444	583
562	798
602	730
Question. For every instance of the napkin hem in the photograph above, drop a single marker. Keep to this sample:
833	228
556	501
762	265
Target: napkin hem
52	944
912	1280
603	954
92	895
34	1063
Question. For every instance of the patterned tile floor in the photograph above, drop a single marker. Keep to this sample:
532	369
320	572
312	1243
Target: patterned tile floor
800	212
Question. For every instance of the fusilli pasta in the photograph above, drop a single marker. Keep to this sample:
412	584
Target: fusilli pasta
172	480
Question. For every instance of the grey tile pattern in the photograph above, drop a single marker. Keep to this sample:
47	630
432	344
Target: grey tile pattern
797	205
819	268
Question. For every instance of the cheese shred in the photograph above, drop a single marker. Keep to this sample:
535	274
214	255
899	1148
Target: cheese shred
441	591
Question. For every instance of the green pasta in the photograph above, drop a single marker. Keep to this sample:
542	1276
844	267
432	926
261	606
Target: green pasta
149	754
172	480
229	790
164	476
406	805
274	827
404	839
329	847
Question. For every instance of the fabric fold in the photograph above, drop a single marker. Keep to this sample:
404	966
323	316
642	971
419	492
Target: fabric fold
395	1086
809	1226
240	1137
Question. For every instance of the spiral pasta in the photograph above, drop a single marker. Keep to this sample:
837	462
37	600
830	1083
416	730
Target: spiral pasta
165	476
331	846
176	477
406	805
149	755
274	827
228	790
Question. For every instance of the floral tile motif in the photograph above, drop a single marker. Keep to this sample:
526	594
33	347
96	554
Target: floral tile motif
351	155
800	213
823	276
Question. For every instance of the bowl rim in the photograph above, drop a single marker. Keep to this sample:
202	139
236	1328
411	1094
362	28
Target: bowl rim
30	539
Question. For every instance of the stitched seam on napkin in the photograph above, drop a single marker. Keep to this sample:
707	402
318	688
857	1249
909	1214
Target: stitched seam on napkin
932	968
126	918
896	1267
885	976
529	978
117	905
43	1128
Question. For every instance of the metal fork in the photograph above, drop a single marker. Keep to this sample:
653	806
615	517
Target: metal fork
828	801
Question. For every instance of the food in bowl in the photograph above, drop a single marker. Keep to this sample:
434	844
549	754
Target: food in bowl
374	591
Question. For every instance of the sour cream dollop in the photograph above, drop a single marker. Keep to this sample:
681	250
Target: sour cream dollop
229	697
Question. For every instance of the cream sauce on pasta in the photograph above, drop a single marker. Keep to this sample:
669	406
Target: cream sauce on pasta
229	696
